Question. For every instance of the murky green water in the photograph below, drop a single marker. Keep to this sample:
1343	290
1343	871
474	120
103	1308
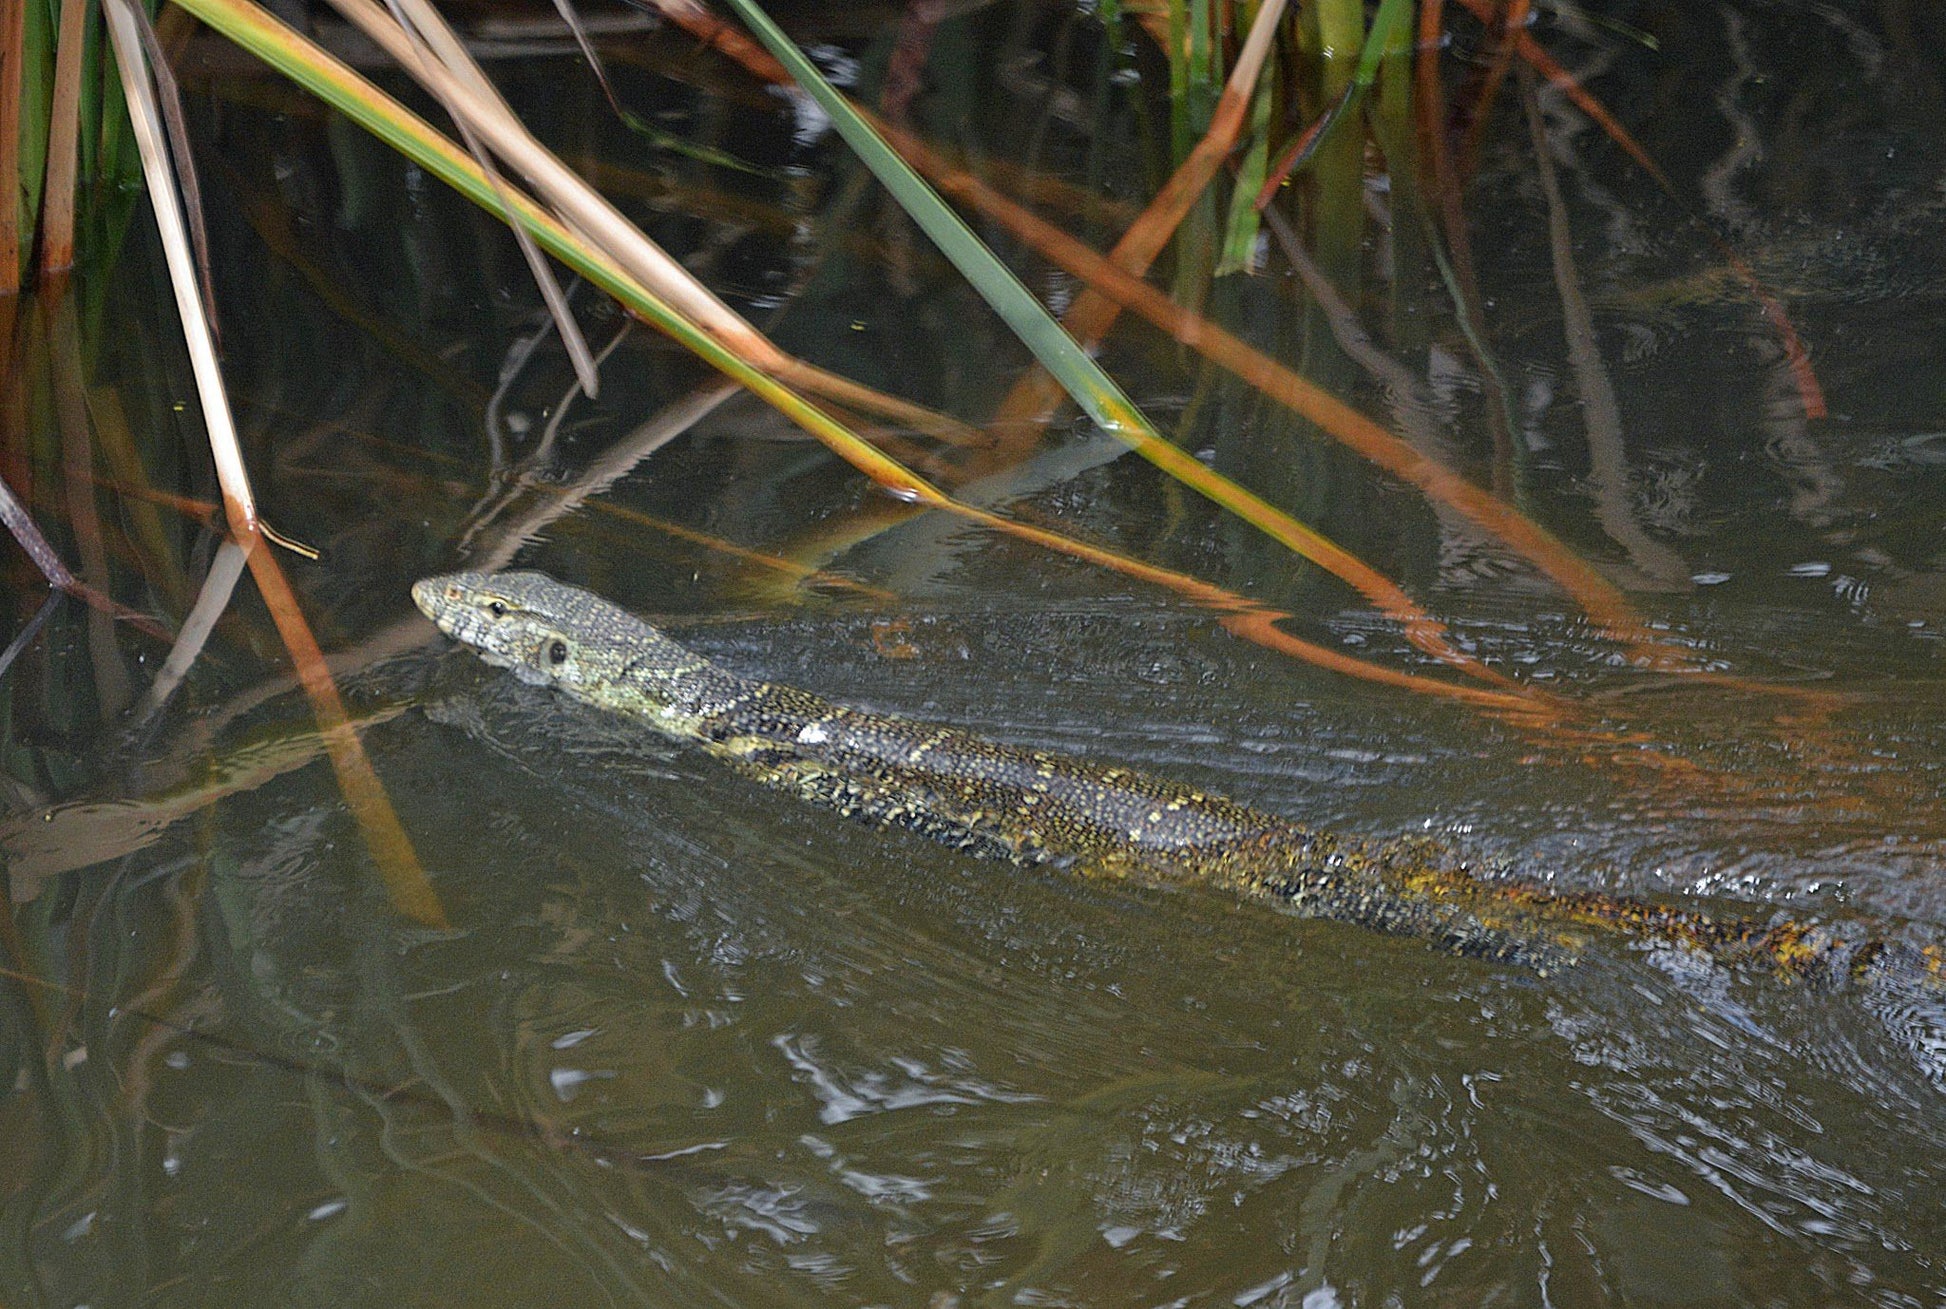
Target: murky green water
686	1042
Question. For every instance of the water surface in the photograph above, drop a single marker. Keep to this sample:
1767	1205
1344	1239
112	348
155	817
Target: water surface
687	1042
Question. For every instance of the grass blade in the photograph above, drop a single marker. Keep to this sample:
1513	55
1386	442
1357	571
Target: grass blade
1093	313
423	25
1061	355
168	102
579	204
1103	400
1243	226
1606	605
253	28
239	501
1388	25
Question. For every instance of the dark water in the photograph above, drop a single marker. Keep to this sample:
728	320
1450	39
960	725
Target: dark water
685	1042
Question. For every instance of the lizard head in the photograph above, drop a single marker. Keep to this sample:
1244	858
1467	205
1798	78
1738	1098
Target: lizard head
547	632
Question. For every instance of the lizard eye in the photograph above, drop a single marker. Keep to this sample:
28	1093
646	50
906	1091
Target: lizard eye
557	652
497	608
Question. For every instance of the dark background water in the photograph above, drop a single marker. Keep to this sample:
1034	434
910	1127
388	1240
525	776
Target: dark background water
687	1042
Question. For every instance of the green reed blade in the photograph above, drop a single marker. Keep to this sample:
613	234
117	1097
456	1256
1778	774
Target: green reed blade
1241	229
1091	388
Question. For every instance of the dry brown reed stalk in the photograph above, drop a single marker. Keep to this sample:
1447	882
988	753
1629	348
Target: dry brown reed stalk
1594	592
1420	627
640	259
398	863
579	205
58	195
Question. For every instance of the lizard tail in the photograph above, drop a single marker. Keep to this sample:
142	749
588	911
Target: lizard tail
1903	986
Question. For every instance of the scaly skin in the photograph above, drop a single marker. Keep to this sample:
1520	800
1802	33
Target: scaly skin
1037	807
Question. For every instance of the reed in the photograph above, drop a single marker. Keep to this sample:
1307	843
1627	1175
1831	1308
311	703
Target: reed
1301	106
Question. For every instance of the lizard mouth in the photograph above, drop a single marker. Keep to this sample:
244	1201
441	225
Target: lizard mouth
437	601
426	596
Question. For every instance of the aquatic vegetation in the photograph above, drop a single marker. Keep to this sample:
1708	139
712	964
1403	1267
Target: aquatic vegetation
1484	428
